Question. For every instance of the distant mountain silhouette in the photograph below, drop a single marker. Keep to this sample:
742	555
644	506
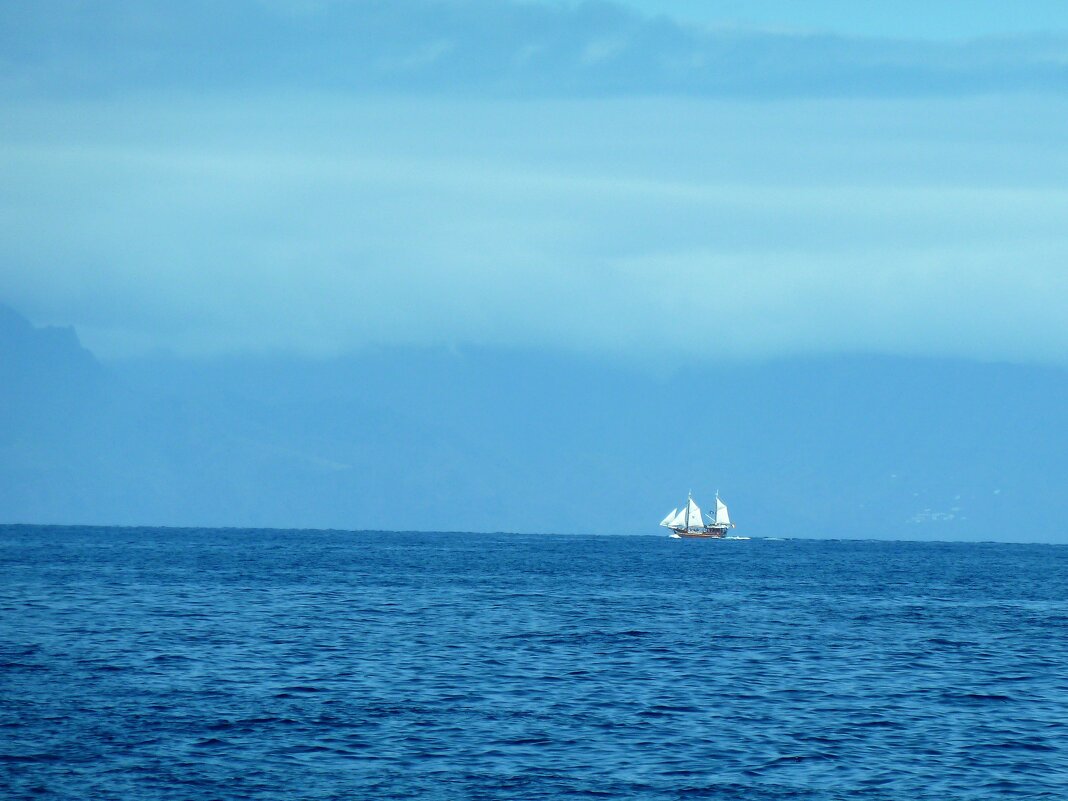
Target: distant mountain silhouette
509	440
41	354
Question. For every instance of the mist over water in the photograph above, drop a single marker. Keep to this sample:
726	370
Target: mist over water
510	440
256	664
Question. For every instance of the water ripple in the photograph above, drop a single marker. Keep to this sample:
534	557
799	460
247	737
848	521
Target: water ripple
166	664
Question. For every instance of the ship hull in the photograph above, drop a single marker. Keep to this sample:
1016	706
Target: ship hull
708	534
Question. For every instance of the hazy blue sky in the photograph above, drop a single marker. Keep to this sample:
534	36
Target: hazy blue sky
945	19
543	241
315	177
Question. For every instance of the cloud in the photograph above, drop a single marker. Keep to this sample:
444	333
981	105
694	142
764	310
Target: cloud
500	49
639	229
322	176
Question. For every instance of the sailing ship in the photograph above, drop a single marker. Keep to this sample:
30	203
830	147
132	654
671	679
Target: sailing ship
690	522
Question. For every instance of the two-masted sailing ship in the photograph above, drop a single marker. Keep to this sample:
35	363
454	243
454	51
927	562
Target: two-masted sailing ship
689	521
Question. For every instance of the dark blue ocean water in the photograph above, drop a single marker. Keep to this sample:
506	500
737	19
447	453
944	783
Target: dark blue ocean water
209	664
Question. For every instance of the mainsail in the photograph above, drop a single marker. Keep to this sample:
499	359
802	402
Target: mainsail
671	516
722	518
693	516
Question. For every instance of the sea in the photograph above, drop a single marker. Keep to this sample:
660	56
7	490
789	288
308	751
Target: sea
158	663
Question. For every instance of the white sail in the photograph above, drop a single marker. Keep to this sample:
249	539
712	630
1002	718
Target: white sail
679	520
671	516
722	518
693	516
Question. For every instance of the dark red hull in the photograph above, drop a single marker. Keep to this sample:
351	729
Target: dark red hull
707	534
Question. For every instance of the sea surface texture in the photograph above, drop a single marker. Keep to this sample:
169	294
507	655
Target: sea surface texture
226	664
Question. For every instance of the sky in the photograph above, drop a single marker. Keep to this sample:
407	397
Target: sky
651	182
907	19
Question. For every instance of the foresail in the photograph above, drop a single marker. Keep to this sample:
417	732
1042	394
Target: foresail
679	520
671	516
722	518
